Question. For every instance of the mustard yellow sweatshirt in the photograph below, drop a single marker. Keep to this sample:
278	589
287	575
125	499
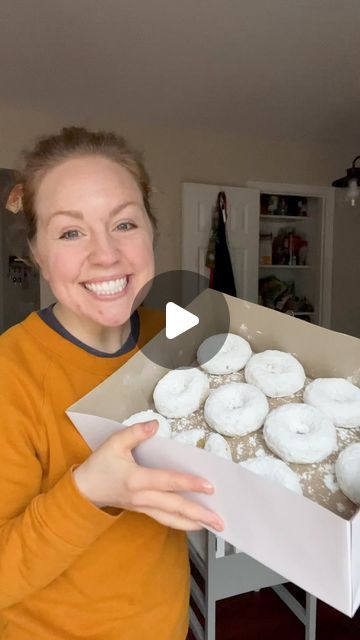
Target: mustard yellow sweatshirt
69	570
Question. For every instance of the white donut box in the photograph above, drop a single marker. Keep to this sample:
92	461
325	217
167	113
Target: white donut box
292	535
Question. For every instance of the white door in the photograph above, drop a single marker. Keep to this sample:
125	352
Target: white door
243	205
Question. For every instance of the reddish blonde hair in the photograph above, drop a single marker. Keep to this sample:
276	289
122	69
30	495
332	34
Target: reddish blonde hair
74	142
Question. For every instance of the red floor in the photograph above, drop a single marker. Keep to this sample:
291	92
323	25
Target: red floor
263	616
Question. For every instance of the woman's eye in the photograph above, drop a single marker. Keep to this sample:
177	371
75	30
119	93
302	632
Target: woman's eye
125	226
71	234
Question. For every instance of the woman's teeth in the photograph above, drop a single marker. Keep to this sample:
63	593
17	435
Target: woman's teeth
107	288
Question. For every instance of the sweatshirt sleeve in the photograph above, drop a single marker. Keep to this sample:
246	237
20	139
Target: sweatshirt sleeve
41	534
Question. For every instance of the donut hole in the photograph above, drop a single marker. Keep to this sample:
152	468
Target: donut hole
302	429
272	368
236	405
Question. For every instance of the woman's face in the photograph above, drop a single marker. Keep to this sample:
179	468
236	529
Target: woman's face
94	242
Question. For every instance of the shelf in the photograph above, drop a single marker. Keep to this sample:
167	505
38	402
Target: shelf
295	313
279	217
284	266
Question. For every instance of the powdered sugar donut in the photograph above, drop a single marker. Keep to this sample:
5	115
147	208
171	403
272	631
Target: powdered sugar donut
164	428
347	469
275	470
193	437
223	353
218	445
181	392
235	409
338	398
276	373
299	433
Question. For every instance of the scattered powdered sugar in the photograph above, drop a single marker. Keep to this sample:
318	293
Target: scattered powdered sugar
346	434
239	450
330	478
318	481
330	482
355	377
306	476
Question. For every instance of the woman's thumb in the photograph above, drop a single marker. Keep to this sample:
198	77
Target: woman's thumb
132	436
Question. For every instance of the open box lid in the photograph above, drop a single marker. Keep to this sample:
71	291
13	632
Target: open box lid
306	543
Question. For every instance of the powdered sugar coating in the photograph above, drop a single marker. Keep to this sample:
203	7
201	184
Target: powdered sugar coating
300	433
314	478
193	437
275	470
218	445
223	353
347	469
276	373
338	398
164	429
236	409
181	392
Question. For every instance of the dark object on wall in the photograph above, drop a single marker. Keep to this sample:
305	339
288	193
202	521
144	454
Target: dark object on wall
350	182
19	280
222	276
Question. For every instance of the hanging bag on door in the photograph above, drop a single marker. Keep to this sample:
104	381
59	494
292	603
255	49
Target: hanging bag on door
218	256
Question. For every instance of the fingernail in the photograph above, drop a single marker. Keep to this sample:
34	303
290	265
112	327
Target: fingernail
207	486
218	525
149	427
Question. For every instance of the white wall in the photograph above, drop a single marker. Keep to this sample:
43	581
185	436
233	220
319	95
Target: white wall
174	156
346	276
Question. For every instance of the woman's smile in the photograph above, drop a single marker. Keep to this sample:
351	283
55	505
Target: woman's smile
93	231
107	288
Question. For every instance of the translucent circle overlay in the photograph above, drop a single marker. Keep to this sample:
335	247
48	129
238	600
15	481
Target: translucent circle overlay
182	288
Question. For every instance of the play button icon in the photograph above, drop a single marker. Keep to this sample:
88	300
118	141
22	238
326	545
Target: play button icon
178	320
174	295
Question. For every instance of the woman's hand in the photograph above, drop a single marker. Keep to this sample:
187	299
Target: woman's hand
110	476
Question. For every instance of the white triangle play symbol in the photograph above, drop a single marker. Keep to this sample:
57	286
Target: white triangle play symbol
178	320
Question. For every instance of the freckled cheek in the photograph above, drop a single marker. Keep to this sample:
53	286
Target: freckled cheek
63	269
141	254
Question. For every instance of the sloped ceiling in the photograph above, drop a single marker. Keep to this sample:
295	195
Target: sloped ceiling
285	68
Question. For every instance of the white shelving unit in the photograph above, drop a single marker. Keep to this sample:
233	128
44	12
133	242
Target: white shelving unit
312	280
284	266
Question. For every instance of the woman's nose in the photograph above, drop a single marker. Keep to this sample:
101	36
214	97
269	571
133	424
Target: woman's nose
104	250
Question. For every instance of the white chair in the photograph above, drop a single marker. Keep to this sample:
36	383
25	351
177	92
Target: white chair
228	572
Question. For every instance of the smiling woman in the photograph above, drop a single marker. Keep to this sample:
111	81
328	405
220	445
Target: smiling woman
91	545
97	257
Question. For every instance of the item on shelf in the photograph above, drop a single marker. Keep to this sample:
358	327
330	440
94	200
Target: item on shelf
279	255
265	249
280	295
302	207
302	254
280	205
273	205
287	247
264	201
272	290
283	207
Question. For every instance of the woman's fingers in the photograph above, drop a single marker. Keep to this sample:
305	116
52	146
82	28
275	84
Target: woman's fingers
173	520
178	506
110	476
124	441
165	480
